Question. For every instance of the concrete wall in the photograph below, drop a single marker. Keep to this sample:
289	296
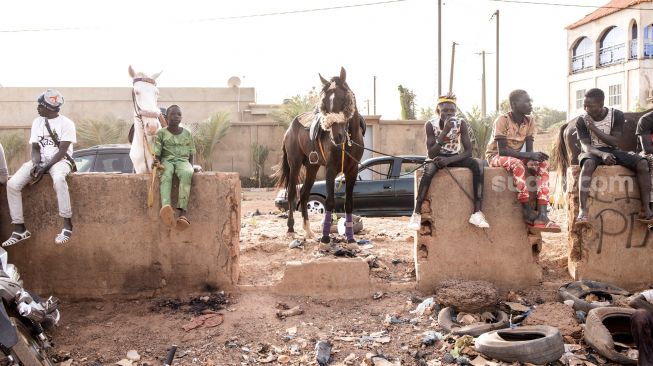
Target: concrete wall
119	245
616	249
505	254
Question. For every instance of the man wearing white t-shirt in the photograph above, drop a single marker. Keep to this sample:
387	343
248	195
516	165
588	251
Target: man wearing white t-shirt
643	301
51	153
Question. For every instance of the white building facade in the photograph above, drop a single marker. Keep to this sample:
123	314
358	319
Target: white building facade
612	49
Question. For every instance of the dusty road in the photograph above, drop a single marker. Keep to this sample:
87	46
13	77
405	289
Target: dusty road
104	331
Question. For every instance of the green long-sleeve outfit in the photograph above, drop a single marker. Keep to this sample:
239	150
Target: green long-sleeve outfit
175	151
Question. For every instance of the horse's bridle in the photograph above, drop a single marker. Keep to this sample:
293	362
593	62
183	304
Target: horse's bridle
139	112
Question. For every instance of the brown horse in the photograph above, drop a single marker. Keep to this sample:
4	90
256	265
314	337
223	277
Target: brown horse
567	146
340	129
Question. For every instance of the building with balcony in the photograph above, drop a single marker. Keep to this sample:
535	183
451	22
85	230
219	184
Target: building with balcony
612	49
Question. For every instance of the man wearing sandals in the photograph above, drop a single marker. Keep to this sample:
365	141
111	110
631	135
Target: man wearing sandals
51	149
511	148
599	131
445	135
174	149
644	133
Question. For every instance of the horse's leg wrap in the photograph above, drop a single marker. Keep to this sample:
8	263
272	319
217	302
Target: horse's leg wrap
349	227
326	224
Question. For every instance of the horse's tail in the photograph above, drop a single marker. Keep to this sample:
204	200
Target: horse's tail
560	161
282	172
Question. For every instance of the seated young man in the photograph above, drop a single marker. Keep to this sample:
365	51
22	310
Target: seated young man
513	131
644	134
444	136
599	131
174	148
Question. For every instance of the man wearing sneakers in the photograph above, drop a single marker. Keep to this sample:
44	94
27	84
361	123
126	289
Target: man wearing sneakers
52	139
444	136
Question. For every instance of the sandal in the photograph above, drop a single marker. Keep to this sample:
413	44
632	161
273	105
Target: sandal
63	237
16	238
548	227
182	223
645	220
167	215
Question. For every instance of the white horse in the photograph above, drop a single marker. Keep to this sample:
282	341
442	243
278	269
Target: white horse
147	120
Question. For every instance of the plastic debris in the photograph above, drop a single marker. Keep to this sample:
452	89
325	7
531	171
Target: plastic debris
322	352
430	337
295	244
297	310
425	307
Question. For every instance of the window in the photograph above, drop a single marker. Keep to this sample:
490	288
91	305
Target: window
84	163
614	95
633	41
380	171
408	168
612	48
582	55
648	41
580	98
113	163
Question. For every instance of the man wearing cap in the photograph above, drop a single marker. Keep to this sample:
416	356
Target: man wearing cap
52	139
445	135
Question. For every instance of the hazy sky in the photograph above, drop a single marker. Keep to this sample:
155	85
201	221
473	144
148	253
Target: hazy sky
203	43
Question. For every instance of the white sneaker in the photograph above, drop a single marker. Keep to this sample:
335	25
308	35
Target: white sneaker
415	222
478	219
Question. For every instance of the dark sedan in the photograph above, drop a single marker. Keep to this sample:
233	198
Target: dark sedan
385	187
104	158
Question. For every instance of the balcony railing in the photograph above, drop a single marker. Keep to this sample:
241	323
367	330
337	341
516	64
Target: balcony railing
612	55
648	48
582	62
633	49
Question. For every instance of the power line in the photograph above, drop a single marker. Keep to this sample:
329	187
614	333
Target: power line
288	12
565	5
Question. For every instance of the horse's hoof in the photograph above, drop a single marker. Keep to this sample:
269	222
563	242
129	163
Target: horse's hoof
325	240
351	241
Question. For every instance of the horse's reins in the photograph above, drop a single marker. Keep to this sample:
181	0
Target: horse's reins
140	113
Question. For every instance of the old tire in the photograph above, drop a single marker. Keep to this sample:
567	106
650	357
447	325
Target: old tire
28	351
537	344
445	319
577	290
601	328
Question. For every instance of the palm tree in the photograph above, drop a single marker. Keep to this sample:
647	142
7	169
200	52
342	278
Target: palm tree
14	145
92	132
259	156
295	106
207	135
481	130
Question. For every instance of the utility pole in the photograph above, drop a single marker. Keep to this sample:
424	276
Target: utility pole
496	13
374	95
439	47
483	93
453	54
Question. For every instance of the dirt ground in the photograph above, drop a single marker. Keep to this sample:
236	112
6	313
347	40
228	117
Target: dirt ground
104	331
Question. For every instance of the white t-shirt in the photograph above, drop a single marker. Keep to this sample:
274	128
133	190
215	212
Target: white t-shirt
648	295
62	127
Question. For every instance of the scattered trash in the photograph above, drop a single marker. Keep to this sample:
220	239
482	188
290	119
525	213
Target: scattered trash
295	244
569	303
322	352
580	315
133	355
430	337
381	361
205	321
363	242
480	361
466	319
378	295
392	319
461	343
514	306
396	261
425	308
297	310
125	362
291	330
283	359
349	360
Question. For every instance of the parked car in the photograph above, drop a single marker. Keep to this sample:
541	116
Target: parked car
385	187
110	158
104	158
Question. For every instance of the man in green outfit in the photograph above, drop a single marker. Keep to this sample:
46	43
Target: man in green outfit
174	149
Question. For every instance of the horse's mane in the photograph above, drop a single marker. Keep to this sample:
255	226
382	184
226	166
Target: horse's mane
350	105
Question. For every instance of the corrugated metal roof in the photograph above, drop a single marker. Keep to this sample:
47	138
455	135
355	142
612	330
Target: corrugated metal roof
610	8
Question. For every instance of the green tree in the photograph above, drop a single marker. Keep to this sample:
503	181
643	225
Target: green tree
481	130
14	145
207	135
407	101
426	113
92	132
504	106
259	156
547	117
295	106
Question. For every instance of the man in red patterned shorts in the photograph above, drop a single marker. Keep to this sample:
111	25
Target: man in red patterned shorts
512	149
